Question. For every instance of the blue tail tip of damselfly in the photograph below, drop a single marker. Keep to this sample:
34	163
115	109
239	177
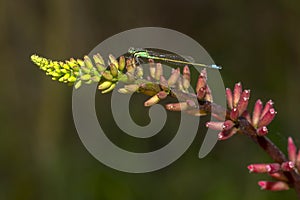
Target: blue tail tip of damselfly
216	67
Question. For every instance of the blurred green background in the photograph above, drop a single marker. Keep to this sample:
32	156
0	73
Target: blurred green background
41	155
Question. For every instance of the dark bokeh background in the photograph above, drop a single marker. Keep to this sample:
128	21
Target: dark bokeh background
41	155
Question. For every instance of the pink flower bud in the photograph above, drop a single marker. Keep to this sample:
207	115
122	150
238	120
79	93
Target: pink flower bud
298	160
237	93
256	112
267	118
201	93
224	135
292	150
267	107
152	68
180	84
174	77
215	125
247	116
201	80
229	98
162	95
186	73
273	167
258	168
279	176
153	100
262	131
186	77
158	71
163	83
177	106
208	95
273	186
287	166
228	124
234	114
243	102
191	104
196	112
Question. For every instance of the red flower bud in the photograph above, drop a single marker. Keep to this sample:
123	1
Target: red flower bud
215	125
237	93
292	150
243	102
267	107
273	167
258	168
224	135
229	98
256	112
234	114
267	118
228	124
287	166
273	186
262	131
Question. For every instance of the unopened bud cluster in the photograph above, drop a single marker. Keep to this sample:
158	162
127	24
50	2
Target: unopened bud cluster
276	170
238	101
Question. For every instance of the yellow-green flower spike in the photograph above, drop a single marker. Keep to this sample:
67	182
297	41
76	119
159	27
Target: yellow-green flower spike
85	71
61	71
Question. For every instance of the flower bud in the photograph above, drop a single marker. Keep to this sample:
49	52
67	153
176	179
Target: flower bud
229	98
237	93
273	186
292	150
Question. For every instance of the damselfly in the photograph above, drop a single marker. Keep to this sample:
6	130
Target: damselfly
173	58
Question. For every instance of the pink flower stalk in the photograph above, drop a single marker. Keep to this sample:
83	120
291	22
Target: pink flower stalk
273	186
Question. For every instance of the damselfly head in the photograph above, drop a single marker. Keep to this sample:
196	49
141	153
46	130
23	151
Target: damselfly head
131	50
